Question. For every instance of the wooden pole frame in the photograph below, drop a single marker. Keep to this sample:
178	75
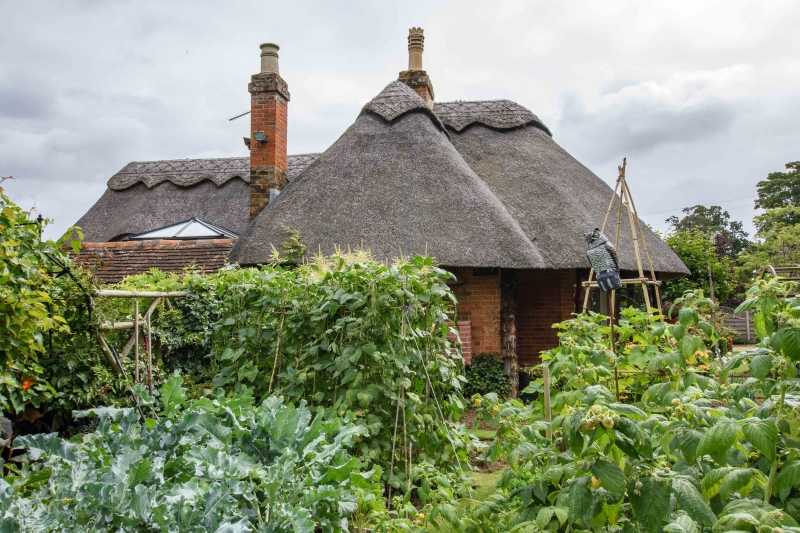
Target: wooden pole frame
622	195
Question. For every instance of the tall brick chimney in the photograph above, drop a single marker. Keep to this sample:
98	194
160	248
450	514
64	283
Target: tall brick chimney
269	102
415	77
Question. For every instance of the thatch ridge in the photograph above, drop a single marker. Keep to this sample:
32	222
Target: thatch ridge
190	172
497	114
398	99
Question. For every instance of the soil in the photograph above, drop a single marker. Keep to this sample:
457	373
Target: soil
468	419
487	467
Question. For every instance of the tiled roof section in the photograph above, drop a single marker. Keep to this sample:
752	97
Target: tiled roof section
112	261
498	114
189	172
397	99
298	163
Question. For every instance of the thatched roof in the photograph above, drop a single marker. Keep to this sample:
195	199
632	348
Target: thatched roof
393	187
495	191
145	196
553	197
500	114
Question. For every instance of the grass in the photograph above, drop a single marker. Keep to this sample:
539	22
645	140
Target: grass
484	434
486	484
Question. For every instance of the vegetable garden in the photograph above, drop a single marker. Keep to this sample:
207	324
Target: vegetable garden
327	397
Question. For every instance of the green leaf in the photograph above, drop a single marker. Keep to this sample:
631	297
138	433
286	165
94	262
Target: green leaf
687	442
141	472
677	331
763	435
685	315
707	328
789	476
681	524
719	438
760	324
580	498
611	476
791	343
735	481
628	410
173	395
761	365
692	501
650	503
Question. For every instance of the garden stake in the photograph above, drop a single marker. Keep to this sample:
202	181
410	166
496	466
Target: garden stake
394	443
149	356
614	344
136	341
548	414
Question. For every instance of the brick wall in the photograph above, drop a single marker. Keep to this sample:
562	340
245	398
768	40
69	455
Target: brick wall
269	106
465	334
479	303
544	297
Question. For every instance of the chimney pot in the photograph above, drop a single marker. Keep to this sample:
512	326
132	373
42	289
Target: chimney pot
416	44
269	58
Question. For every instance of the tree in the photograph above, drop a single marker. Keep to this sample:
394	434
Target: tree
696	248
780	189
729	236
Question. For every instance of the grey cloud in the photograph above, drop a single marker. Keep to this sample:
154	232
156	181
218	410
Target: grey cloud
637	126
22	98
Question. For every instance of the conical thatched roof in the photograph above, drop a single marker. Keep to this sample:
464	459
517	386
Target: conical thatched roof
478	184
393	183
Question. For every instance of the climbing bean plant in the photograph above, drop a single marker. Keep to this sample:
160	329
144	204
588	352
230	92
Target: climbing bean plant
353	335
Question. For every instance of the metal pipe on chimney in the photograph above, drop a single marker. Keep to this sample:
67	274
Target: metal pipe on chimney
416	44
269	58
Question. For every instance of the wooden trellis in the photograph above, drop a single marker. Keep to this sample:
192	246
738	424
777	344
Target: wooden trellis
622	196
114	358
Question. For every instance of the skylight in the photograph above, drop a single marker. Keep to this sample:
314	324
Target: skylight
194	228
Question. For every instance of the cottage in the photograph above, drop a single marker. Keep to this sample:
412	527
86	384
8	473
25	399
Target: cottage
481	186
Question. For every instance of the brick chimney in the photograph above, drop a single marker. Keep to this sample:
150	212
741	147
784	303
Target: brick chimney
415	77
269	101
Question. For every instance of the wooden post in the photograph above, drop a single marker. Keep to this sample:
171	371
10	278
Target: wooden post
611	314
508	326
149	356
747	325
548	414
136	341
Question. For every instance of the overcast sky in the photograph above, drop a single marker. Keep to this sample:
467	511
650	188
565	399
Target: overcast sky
703	97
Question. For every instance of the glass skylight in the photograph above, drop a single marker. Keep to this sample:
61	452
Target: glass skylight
194	228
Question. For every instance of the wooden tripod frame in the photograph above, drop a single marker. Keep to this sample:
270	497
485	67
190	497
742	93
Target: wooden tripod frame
622	190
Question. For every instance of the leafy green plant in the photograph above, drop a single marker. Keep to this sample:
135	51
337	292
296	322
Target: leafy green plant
27	306
215	464
485	375
693	453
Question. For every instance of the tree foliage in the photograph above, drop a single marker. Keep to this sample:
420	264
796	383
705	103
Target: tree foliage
697	250
730	238
780	189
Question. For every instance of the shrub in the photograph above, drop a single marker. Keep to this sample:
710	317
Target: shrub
487	374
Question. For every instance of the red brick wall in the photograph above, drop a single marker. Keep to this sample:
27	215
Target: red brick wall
544	297
479	302
465	334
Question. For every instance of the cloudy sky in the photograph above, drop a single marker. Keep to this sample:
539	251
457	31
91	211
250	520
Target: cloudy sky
703	97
